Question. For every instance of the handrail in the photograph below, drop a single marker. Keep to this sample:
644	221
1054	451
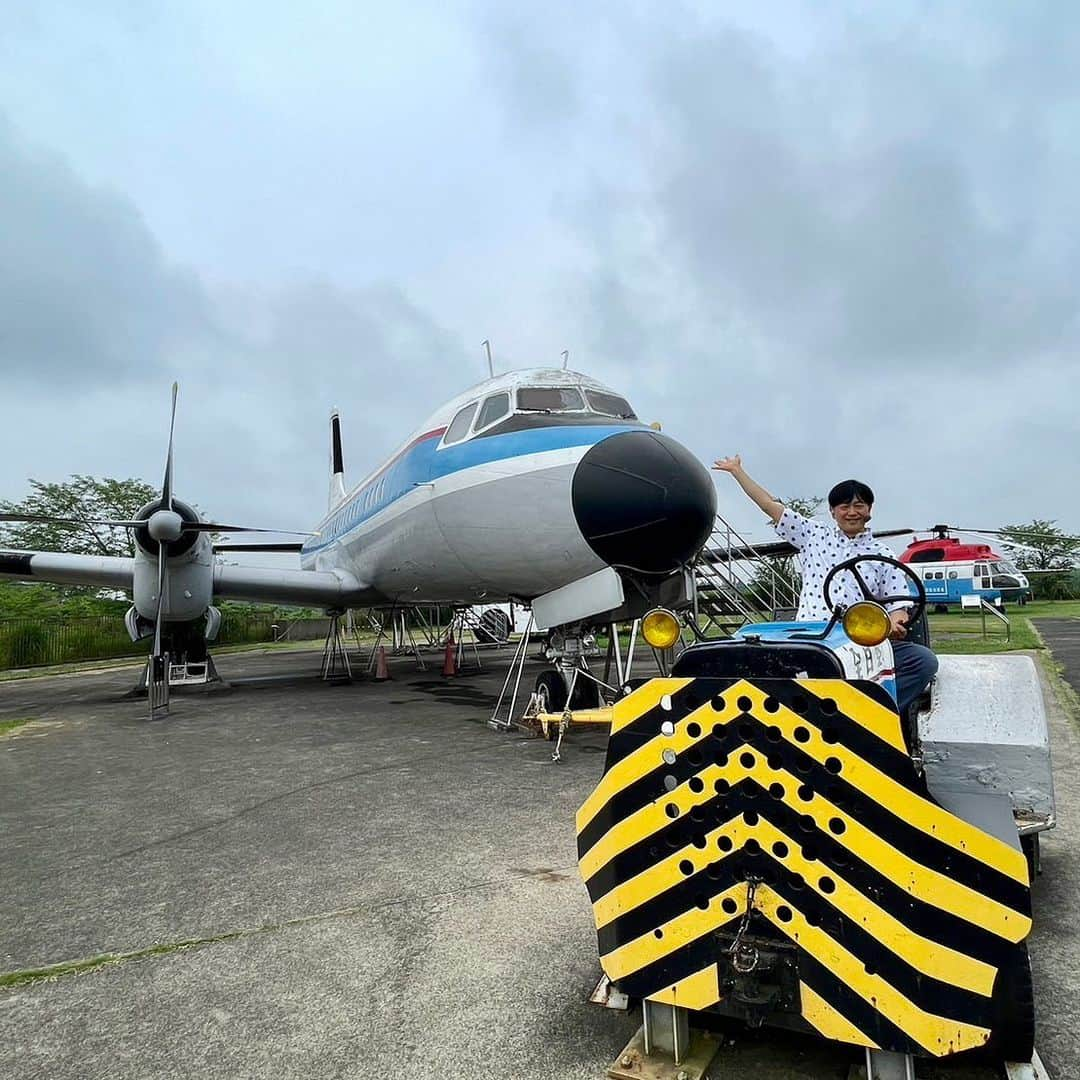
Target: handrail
984	607
744	588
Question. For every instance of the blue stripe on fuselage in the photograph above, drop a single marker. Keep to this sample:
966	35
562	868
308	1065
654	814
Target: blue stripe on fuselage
423	462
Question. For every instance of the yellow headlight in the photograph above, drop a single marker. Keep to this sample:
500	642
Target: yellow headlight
660	628
867	623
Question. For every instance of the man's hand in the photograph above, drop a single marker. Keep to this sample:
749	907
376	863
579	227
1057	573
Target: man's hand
733	465
728	464
899	620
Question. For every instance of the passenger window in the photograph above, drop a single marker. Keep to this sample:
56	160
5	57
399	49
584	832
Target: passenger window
939	575
495	408
459	426
952	575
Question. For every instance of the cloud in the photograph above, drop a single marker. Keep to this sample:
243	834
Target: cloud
95	324
86	293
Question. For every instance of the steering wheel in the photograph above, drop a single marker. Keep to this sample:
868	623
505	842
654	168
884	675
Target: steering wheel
918	601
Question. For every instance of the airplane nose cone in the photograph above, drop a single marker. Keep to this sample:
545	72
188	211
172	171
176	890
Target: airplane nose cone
643	502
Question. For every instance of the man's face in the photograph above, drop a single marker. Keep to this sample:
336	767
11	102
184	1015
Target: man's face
851	516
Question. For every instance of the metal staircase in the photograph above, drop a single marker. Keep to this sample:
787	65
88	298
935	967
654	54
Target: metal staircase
732	592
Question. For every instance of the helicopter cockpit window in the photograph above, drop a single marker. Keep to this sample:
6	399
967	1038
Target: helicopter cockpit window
610	405
550	399
493	409
459	426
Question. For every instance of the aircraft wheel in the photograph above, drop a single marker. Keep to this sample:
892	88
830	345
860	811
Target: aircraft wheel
1013	1035
941	609
550	691
586	694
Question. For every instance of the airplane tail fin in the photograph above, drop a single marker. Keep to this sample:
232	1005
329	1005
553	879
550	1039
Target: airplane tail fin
337	465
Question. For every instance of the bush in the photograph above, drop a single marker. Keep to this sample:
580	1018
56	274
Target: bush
23	645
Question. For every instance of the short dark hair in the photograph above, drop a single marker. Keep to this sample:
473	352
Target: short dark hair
849	490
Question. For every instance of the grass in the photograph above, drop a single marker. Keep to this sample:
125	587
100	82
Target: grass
8	726
959	633
12	674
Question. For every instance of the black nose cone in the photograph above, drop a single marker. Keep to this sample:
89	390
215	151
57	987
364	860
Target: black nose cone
643	502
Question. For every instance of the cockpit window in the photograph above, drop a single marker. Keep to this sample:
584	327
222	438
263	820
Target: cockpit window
550	399
494	408
610	404
459	426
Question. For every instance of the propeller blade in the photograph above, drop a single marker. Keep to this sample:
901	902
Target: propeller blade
166	486
894	532
214	526
224	548
1005	533
49	520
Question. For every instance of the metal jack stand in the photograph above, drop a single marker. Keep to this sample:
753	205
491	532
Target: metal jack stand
404	641
458	625
335	660
664	1047
157	684
515	671
886	1065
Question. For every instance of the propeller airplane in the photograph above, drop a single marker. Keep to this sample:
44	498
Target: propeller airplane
540	486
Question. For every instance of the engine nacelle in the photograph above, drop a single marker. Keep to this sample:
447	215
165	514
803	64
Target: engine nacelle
189	583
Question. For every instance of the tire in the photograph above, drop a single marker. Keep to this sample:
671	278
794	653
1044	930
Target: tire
1030	846
1013	1034
586	694
941	609
551	690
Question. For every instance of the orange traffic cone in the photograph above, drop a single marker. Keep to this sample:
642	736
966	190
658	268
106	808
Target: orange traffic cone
382	668
449	666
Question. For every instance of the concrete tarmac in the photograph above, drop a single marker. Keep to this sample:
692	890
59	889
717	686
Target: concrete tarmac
345	881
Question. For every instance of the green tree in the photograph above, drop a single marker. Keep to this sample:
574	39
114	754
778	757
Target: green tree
1040	545
80	498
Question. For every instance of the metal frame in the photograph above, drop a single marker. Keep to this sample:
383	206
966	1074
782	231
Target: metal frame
335	659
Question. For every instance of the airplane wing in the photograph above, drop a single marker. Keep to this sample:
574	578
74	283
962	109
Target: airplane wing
302	588
105	571
775	549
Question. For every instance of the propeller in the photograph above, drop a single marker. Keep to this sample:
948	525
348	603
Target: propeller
943	531
776	549
165	526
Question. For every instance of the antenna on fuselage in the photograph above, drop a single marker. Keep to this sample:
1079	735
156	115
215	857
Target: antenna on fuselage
487	349
565	358
337	462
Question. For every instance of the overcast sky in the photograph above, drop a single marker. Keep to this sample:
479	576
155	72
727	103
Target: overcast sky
843	240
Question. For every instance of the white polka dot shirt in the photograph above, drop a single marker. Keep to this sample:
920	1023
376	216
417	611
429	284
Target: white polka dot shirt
823	545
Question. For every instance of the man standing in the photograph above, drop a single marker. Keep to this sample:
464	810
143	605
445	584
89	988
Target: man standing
823	546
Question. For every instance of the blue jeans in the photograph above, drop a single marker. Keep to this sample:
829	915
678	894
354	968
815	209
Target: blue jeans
915	667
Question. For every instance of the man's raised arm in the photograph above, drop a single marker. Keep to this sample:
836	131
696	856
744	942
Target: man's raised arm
771	505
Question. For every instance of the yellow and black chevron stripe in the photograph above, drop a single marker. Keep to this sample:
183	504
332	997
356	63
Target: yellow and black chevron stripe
900	913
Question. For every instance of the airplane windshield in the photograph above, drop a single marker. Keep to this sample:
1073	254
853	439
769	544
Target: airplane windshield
548	399
610	404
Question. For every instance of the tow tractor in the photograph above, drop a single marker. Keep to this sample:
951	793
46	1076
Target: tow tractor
772	841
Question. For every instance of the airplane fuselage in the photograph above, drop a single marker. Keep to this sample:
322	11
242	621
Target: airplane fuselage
496	509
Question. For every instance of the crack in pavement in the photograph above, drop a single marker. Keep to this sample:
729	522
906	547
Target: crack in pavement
50	973
228	819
